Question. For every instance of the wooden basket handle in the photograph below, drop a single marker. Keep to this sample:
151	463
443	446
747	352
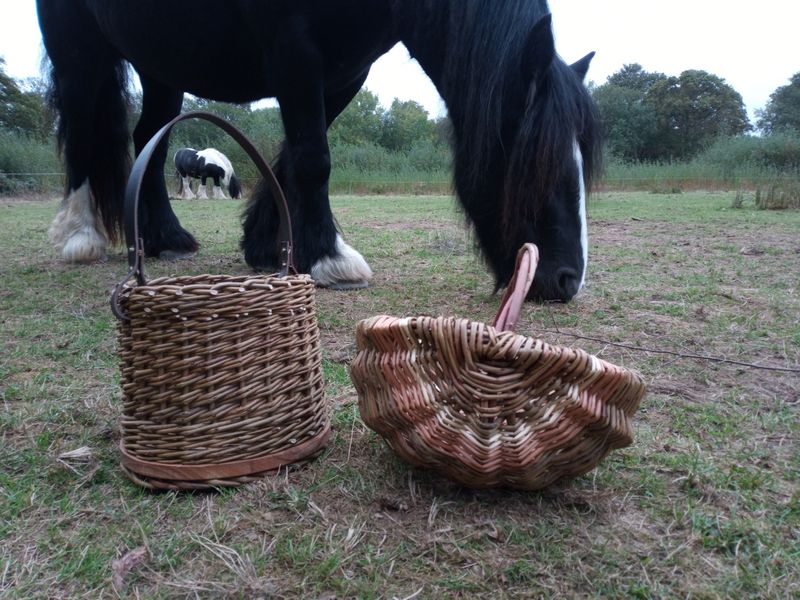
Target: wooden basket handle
135	244
525	269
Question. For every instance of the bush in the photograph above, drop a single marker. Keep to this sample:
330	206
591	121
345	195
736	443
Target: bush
365	158
737	163
22	159
429	157
657	177
779	152
778	196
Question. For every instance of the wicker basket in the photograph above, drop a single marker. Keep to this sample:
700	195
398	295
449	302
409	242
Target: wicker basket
487	407
221	376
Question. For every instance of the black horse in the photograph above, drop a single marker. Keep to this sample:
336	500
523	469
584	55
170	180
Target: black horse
524	126
204	165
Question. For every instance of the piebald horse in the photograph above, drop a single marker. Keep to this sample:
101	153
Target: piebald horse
204	165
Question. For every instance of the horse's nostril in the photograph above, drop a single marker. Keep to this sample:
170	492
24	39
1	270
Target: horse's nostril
569	283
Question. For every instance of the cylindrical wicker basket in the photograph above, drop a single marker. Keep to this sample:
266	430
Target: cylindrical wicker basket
486	407
221	375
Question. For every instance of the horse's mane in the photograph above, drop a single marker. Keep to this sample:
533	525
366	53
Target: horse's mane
483	81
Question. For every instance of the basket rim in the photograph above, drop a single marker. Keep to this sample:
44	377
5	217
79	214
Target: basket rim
226	470
218	279
382	324
209	297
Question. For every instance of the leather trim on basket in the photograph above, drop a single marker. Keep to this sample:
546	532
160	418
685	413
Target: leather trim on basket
238	468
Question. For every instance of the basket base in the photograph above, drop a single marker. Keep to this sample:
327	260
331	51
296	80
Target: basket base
163	476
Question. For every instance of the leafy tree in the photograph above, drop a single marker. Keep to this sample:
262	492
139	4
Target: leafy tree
443	132
265	127
693	110
201	134
406	123
634	77
360	122
23	108
630	123
650	116
783	109
235	113
9	93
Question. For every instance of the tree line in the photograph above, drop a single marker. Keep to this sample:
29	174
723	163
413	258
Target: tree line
648	117
365	138
399	128
23	106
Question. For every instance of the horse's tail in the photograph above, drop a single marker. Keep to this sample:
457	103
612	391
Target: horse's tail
235	187
106	143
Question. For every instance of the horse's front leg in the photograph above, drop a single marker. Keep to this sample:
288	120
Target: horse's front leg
319	248
162	232
186	189
303	170
202	194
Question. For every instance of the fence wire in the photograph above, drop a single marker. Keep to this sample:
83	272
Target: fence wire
31	182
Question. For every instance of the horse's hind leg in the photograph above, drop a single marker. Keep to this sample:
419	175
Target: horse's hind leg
89	211
162	232
88	89
218	194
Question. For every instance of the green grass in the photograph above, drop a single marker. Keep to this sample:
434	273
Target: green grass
706	503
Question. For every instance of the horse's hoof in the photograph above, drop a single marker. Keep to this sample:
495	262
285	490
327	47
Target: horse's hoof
345	286
265	269
174	255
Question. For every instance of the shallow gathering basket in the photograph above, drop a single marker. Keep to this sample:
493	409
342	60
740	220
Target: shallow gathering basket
221	375
486	407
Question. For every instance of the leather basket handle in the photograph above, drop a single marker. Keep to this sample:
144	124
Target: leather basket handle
135	244
525	269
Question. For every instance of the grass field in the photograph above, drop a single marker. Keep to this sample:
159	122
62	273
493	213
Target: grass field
706	503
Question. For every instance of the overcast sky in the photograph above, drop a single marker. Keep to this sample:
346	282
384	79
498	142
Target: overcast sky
754	46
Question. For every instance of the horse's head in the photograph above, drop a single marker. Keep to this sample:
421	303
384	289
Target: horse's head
555	154
537	169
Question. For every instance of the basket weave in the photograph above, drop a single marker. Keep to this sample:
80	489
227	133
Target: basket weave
221	375
490	408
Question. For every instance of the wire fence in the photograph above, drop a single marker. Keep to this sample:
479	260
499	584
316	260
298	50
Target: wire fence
21	183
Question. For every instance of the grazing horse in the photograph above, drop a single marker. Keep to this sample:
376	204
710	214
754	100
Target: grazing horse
524	126
202	165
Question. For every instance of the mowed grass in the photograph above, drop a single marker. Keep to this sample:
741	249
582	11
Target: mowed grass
706	503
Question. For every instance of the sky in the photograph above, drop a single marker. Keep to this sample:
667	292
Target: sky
752	45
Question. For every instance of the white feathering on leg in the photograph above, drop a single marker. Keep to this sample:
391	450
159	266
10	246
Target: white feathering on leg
201	192
186	191
75	232
347	265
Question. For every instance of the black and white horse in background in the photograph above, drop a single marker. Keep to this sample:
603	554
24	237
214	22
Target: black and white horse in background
204	165
524	126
